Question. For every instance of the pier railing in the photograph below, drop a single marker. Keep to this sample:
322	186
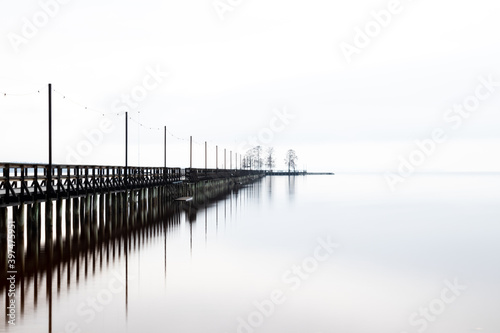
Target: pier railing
25	183
30	182
194	175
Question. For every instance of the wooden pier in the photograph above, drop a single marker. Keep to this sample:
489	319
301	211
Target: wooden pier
29	183
296	173
70	208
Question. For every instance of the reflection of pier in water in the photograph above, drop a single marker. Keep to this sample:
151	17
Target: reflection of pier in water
95	230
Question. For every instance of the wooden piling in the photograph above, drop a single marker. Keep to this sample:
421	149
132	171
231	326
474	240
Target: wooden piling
67	208
19	216
76	218
132	209
114	220
87	218
37	232
49	221
59	214
109	213
126	209
3	238
119	210
148	205
95	216
101	215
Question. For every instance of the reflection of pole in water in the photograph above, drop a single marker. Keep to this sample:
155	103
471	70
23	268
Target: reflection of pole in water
205	224
126	273
191	238
48	249
90	229
22	295
93	262
270	187
59	277
165	247
216	217
35	288
86	261
49	296
231	206
291	186
236	204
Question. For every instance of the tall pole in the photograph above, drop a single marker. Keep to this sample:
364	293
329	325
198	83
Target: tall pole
230	159
217	157
224	158
126	146
190	152
205	154
49	173
240	161
165	147
139	138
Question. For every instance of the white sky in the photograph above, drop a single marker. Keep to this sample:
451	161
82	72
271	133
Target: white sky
228	77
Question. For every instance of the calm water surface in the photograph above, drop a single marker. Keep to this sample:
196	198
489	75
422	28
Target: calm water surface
424	258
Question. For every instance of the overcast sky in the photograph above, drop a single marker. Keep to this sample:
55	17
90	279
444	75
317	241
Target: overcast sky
350	85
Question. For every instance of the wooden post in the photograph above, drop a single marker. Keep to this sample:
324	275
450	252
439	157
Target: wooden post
59	225
88	217
3	238
36	232
49	171
68	220
165	147
95	216
190	152
125	209
205	154
76	218
132	208
82	217
119	210
126	148
150	205
101	215
49	215
109	213
224	158
216	157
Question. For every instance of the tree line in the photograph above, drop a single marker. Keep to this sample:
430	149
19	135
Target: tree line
255	159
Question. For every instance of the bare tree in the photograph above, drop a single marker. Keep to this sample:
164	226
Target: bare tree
247	160
252	159
257	157
270	158
291	159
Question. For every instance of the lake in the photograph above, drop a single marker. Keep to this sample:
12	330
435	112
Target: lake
308	254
